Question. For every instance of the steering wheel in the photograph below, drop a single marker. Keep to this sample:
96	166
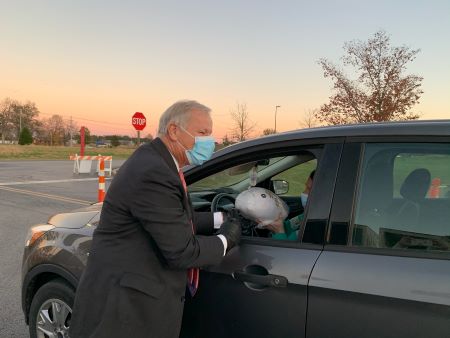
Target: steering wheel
222	202
225	202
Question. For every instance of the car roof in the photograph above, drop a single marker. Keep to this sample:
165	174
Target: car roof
404	128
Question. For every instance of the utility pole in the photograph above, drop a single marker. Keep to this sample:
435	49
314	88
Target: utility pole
276	108
20	121
70	131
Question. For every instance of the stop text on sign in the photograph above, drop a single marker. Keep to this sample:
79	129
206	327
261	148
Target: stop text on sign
138	121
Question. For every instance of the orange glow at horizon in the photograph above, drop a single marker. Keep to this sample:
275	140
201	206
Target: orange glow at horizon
75	61
108	115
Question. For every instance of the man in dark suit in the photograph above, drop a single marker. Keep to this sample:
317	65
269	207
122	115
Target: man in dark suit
149	241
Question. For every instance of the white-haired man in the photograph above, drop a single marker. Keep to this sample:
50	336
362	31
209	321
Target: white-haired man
147	247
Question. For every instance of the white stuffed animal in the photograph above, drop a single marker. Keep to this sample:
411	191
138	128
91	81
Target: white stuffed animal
261	206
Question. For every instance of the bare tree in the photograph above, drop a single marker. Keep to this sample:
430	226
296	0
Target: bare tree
242	125
71	129
309	119
23	115
226	141
55	130
14	116
268	131
5	117
39	132
381	91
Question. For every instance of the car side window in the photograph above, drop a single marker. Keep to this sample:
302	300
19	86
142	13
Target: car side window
286	176
403	200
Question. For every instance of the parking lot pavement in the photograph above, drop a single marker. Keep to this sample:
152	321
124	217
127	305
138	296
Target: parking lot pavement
31	171
24	201
18	212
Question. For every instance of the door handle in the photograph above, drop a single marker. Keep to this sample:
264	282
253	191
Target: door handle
263	280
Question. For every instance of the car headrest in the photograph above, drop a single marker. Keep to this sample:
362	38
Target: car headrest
416	185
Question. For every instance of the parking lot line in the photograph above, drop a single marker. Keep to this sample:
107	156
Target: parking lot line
51	181
49	196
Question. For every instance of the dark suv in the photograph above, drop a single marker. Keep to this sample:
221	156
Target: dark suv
371	256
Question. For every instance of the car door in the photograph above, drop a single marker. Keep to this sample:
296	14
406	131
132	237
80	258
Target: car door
260	288
385	269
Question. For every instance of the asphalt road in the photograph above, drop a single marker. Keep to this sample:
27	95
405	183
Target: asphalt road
30	192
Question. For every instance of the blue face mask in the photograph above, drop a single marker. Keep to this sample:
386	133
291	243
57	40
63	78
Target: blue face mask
202	150
304	198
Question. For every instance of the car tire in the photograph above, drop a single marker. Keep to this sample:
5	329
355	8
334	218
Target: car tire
53	304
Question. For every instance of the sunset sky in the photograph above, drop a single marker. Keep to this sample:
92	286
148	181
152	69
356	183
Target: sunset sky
103	60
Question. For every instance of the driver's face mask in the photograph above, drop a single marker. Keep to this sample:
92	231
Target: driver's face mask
304	198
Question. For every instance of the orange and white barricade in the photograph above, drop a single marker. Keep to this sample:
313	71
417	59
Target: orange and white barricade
107	163
83	164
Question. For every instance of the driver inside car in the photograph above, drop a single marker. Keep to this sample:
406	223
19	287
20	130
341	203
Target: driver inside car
288	229
269	211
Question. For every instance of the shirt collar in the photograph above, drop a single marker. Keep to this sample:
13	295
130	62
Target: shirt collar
176	162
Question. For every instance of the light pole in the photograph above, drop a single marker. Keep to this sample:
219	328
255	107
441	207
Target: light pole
276	108
20	119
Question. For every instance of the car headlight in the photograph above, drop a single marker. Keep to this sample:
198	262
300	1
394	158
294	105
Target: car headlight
36	232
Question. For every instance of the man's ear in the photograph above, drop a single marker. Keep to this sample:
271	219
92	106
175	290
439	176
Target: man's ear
172	130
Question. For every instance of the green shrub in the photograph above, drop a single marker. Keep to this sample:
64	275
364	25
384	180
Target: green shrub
25	136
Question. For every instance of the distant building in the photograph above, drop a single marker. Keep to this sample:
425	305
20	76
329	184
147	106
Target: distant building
103	143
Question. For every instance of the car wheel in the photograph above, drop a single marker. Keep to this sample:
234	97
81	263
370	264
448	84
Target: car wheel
51	310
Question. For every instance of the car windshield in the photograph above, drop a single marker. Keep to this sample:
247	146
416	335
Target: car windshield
231	176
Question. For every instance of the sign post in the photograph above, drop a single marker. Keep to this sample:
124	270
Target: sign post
139	122
82	144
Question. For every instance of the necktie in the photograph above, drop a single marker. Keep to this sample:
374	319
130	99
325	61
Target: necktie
193	274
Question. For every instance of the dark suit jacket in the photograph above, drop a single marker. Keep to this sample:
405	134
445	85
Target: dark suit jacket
135	280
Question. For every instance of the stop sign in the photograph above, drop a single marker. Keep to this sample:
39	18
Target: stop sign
138	121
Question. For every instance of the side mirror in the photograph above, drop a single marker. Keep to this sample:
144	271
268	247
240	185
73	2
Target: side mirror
280	187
